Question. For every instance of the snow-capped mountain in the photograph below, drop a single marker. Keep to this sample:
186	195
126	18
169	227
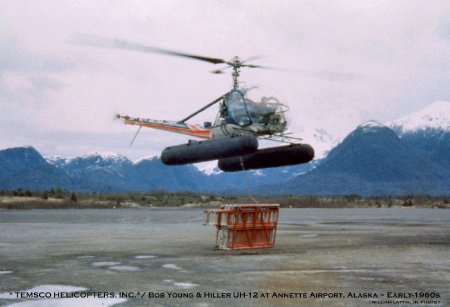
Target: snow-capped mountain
321	140
93	158
433	120
370	126
436	116
57	161
427	130
374	160
208	168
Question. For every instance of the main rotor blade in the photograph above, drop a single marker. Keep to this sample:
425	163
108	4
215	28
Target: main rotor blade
220	70
258	66
269	68
252	58
103	42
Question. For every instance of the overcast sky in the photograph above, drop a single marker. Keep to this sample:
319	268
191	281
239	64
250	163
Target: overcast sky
353	61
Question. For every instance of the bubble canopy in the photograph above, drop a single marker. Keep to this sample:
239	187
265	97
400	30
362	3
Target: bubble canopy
255	106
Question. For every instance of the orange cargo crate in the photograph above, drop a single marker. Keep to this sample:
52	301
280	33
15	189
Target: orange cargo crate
244	226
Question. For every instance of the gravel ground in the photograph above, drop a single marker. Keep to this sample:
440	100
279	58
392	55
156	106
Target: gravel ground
334	257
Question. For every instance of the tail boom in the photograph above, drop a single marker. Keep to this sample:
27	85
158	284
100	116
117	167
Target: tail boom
171	126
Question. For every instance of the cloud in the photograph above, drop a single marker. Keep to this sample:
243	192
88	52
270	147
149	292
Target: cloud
15	57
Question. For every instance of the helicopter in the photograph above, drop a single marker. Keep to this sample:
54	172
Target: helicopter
232	138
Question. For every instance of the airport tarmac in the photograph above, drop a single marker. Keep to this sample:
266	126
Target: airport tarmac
155	256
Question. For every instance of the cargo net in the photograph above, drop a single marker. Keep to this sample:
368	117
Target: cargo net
244	226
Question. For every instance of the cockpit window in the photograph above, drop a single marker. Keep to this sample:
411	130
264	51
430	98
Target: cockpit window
261	111
237	110
265	109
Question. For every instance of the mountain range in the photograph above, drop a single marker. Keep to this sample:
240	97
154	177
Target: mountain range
410	155
374	160
26	168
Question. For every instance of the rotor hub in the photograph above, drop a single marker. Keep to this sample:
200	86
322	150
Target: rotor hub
236	62
236	65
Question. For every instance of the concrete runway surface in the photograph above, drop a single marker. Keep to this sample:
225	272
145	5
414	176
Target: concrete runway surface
151	257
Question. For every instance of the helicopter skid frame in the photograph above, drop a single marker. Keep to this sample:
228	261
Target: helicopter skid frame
279	137
282	138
